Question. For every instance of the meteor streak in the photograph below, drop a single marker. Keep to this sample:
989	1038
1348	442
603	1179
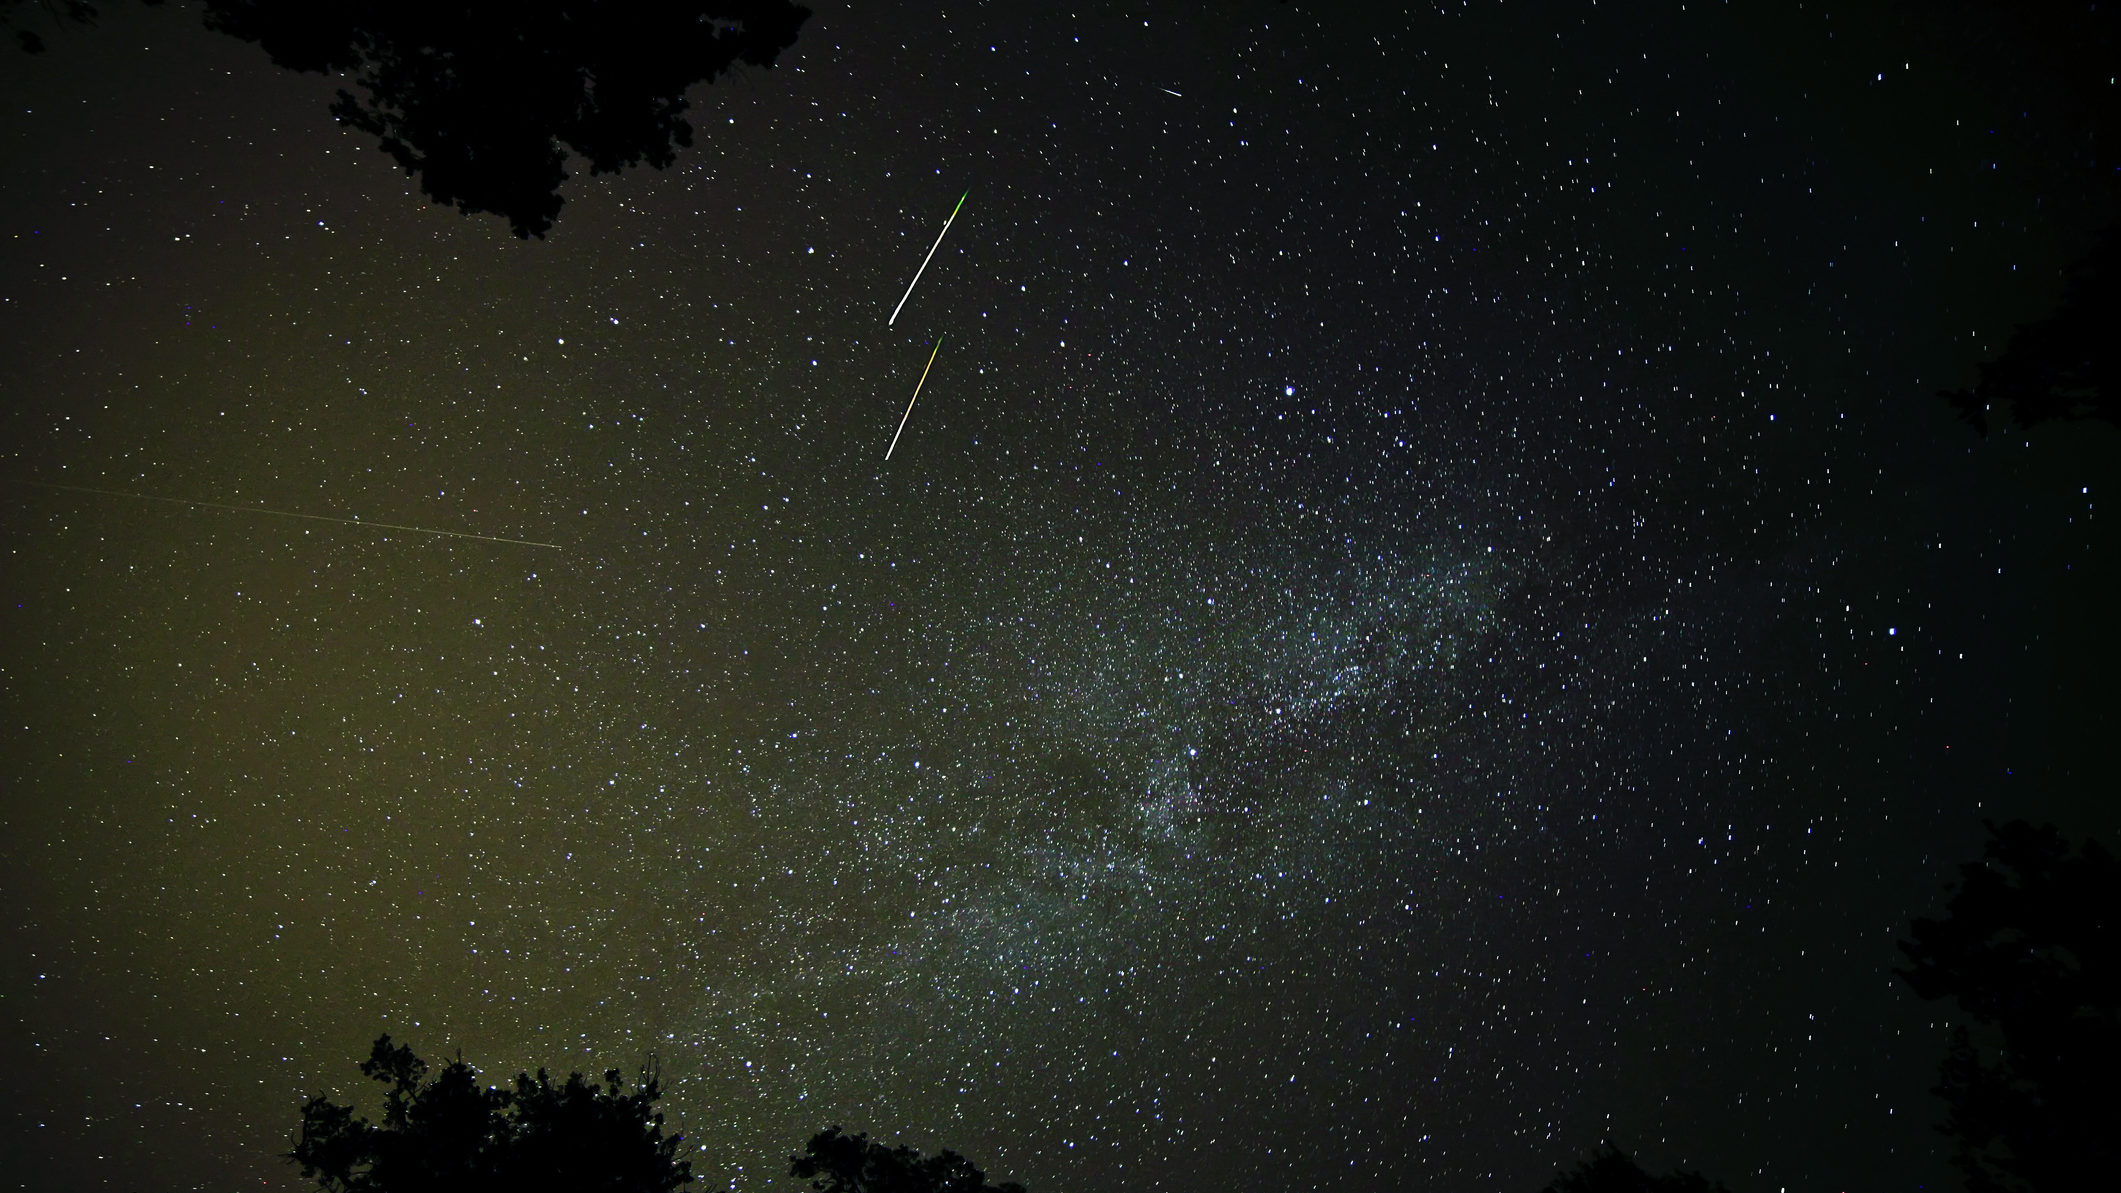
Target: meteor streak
916	386
255	509
924	262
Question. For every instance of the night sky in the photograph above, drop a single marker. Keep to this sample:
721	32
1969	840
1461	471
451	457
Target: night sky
1428	615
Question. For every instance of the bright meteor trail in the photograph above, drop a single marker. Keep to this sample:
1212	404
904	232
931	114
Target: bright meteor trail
924	262
254	509
924	371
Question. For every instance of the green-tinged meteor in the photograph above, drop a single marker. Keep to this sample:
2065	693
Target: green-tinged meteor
916	387
257	509
924	261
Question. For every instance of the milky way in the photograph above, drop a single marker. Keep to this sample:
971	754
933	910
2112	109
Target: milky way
1429	617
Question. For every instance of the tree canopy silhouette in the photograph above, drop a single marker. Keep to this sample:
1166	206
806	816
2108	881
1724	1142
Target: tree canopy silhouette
836	1163
482	99
452	1134
2031	949
1609	1170
62	14
2067	365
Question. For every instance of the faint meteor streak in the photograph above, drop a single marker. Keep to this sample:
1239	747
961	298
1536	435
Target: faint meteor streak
1168	91
924	262
257	509
916	393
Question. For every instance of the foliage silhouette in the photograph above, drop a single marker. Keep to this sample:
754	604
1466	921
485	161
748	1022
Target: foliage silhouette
481	99
836	1163
1609	1170
2067	365
61	13
2031	949
451	1134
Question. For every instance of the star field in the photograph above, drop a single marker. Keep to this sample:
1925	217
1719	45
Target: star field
1427	616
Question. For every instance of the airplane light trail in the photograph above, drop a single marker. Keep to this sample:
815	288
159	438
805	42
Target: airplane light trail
916	397
254	509
924	261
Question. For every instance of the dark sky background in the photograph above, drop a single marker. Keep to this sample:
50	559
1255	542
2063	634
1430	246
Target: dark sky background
1428	615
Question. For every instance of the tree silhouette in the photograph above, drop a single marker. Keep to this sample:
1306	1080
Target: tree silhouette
2031	949
61	13
451	1134
2067	365
482	99
1610	1171
837	1163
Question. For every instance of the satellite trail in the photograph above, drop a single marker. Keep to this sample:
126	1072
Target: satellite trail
924	262
916	386
255	509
